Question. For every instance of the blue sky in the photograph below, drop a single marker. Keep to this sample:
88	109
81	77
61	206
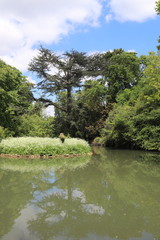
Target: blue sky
83	25
140	37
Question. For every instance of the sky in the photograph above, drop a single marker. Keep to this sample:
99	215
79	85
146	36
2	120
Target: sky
82	25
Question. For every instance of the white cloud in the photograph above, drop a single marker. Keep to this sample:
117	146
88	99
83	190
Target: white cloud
109	17
131	10
25	24
31	80
49	111
20	58
131	50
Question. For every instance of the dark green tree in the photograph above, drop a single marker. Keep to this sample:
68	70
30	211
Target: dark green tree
59	74
135	119
15	96
93	108
89	110
122	70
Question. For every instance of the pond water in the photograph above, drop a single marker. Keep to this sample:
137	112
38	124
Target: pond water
115	194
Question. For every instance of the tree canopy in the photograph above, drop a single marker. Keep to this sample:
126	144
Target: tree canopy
157	8
15	96
19	114
122	70
59	74
135	120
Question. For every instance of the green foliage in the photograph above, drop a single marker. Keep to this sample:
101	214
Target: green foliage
118	128
152	78
158	46
36	126
88	104
135	120
90	100
122	70
15	96
93	107
44	146
147	125
70	67
98	141
3	133
157	8
88	113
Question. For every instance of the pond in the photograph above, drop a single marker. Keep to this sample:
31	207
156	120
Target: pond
114	194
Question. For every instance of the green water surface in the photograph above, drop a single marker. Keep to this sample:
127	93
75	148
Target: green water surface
115	194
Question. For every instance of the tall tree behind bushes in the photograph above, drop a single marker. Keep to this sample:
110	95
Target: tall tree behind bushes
59	74
89	111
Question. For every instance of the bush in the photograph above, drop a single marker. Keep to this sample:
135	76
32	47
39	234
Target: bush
98	141
43	146
2	133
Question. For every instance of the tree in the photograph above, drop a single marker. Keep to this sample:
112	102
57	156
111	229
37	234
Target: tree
89	105
158	46
135	119
93	108
59	74
122	70
36	126
15	96
157	8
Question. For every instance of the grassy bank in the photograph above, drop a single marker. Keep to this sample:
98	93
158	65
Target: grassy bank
43	146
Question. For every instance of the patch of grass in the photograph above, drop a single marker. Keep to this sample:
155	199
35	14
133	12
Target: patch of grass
43	146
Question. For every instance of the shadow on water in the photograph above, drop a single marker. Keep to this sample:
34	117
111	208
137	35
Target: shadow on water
114	194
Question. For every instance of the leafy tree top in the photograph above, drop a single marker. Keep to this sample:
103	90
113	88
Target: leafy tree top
157	8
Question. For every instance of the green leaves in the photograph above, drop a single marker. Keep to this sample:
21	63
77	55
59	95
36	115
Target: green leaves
157	8
36	125
15	96
135	119
122	70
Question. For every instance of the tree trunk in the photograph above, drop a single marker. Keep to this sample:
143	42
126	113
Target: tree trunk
69	107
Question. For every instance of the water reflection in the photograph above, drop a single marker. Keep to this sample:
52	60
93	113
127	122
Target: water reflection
114	196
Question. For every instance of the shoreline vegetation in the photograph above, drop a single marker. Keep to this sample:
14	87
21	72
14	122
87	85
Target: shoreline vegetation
36	147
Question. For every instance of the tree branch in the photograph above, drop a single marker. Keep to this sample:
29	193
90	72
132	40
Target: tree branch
48	102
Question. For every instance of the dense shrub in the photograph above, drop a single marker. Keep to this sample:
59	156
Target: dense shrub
44	146
135	119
